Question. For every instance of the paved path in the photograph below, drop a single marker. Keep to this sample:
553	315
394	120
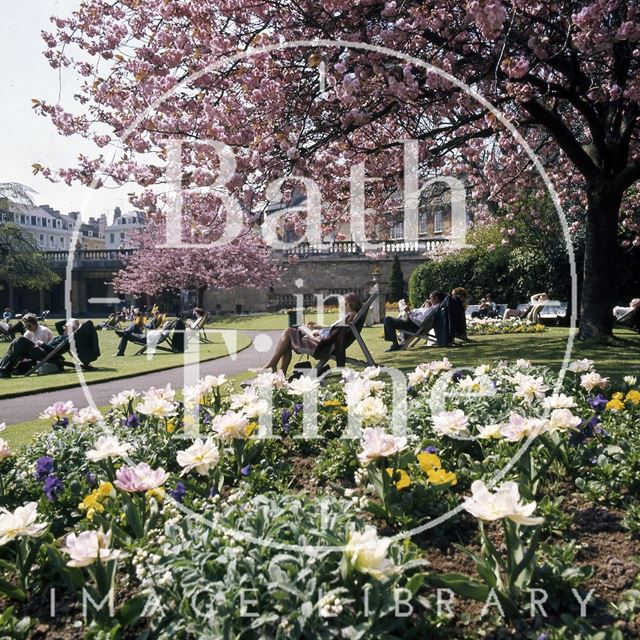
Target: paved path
24	408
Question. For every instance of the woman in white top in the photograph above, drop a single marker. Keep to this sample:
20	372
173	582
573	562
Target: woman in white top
35	332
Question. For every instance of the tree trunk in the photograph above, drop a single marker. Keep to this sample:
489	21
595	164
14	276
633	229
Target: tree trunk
601	243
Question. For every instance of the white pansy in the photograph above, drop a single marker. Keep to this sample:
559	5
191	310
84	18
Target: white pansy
87	416
563	420
559	401
367	553
123	398
630	380
201	456
490	432
591	380
451	423
504	502
231	425
20	523
157	407
303	384
580	366
377	443
107	447
530	388
518	428
371	411
87	547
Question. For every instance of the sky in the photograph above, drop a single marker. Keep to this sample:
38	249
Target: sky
28	138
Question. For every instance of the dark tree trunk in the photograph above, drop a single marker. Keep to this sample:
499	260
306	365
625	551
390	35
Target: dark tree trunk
601	241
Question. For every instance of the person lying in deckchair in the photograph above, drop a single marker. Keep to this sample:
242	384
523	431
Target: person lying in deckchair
413	321
309	337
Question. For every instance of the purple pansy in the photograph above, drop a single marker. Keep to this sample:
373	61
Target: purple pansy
44	467
52	487
179	492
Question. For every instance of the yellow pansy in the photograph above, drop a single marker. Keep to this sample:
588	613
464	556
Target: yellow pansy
440	476
403	478
158	493
428	461
171	426
633	396
615	405
91	504
618	396
250	428
106	490
331	403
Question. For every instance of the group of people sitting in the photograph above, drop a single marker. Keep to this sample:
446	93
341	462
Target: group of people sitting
37	343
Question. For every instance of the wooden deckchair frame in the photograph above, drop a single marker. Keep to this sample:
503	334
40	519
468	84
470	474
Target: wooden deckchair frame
165	335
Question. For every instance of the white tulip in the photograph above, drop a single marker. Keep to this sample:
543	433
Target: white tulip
376	443
123	398
530	388
563	420
367	553
490	432
87	416
87	547
451	423
371	411
559	401
157	407
591	380
519	428
19	523
231	425
630	380
580	366
303	384
107	447
504	502
200	456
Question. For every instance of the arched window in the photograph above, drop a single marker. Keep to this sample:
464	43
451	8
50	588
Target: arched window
437	222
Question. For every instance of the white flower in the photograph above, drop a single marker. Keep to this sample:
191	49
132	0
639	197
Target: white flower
530	388
503	503
371	410
630	380
482	384
563	419
165	393
437	366
376	443
194	394
269	379
371	372
482	370
19	523
490	431
200	456
450	423
58	410
580	366
559	401
213	382
523	364
591	380
107	447
247	397
140	478
87	547
86	416
123	398
157	407
357	389
519	428
231	425
303	384
367	553
419	375
256	409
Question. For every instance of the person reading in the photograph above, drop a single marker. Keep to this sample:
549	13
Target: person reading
310	337
413	320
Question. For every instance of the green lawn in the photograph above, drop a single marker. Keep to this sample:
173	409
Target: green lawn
111	367
266	321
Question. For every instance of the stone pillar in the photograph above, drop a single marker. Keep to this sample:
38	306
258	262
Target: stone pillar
377	284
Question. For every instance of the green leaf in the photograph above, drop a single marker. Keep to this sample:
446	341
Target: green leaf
129	613
12	592
460	584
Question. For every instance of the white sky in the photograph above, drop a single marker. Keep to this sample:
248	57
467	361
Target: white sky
27	137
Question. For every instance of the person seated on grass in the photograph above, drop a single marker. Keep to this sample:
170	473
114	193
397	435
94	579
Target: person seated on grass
620	312
413	321
309	337
23	347
151	338
7	315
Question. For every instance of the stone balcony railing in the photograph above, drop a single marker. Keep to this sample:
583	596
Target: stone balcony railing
349	247
88	257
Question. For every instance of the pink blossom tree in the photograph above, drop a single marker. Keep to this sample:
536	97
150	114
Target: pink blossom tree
566	74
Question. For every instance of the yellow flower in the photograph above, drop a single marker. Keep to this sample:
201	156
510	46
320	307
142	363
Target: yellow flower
615	405
188	420
91	504
428	461
106	490
250	428
440	476
633	396
331	403
171	426
404	480
158	493
618	396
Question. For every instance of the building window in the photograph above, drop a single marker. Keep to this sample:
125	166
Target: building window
437	222
33	221
41	239
112	237
61	241
51	240
122	235
422	223
397	231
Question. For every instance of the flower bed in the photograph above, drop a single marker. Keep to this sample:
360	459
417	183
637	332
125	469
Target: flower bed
229	532
497	326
